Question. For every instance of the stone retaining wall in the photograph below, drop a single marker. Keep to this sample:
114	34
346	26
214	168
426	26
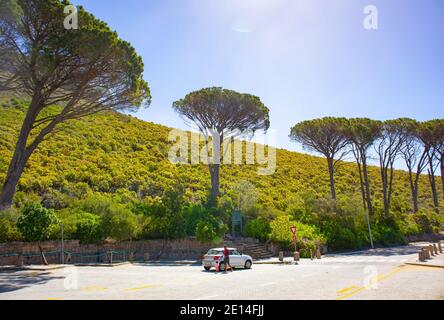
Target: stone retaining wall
25	253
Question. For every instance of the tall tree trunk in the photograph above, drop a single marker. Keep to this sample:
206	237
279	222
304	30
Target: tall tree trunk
387	182
367	185
442	173
414	189
433	186
361	181
20	156
331	171
214	173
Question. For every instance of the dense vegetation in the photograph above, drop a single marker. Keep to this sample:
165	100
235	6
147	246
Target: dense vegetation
107	176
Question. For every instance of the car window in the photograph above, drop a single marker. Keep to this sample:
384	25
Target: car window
213	252
235	253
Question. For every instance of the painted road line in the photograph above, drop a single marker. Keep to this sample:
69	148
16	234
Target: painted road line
95	289
341	292
373	281
149	286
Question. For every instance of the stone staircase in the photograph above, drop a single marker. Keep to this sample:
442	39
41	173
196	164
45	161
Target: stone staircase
250	246
257	251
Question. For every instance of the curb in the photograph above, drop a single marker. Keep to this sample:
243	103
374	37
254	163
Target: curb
30	268
178	263
109	265
425	265
273	262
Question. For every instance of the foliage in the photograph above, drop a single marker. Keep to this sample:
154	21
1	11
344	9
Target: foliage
83	72
325	136
8	227
91	167
205	232
35	222
307	236
89	229
222	114
116	220
258	228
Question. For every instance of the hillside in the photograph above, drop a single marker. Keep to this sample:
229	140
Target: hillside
108	176
112	153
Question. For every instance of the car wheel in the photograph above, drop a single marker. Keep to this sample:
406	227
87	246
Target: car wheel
207	268
248	264
222	266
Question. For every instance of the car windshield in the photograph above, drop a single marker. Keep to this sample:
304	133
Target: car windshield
213	252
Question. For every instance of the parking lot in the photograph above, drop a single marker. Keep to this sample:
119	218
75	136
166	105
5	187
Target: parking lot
378	274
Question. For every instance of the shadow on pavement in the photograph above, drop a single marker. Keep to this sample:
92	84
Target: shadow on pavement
12	280
388	251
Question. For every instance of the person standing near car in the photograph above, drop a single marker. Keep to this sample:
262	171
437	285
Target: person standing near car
227	259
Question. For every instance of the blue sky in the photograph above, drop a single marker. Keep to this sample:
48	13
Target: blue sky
304	58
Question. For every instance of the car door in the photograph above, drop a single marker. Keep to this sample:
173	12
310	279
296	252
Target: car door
235	258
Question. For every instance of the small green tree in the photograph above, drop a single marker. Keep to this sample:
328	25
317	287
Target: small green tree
258	228
34	224
205	232
89	229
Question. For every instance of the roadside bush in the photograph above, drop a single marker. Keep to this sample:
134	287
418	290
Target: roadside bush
119	224
117	221
35	222
205	232
89	229
307	236
8	227
258	228
386	232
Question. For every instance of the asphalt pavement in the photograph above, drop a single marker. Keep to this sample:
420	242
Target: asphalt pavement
370	274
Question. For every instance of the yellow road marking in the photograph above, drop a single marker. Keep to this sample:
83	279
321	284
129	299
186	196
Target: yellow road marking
373	281
149	286
345	290
95	288
54	299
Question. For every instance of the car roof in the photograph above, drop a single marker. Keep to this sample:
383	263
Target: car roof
220	249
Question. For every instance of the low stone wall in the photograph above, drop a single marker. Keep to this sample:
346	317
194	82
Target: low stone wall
26	253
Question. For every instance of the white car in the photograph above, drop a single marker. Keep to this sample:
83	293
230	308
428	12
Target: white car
215	257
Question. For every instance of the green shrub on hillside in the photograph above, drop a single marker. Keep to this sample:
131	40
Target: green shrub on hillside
35	222
258	228
307	236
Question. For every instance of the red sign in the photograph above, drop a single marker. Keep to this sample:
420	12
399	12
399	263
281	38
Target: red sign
294	238
293	229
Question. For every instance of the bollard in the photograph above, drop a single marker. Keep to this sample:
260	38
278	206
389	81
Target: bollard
111	257
281	256
439	247
318	253
421	257
431	250
425	253
435	249
296	256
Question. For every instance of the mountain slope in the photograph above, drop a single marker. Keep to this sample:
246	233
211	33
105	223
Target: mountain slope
115	153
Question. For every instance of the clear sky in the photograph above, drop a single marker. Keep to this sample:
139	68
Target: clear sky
304	58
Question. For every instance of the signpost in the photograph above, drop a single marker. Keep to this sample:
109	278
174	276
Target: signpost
295	239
